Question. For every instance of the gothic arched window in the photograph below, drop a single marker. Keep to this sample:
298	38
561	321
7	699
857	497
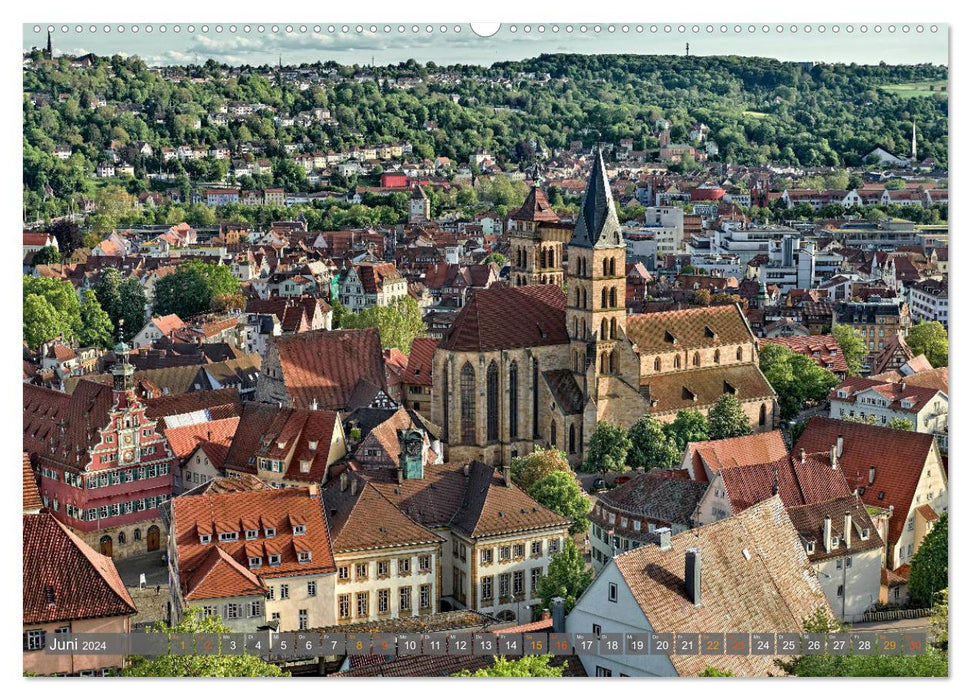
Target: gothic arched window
513	400
718	356
553	432
613	268
573	439
657	364
613	297
446	416
603	329
738	354
762	414
605	267
613	328
467	391
603	298
677	361
492	401
696	361
577	304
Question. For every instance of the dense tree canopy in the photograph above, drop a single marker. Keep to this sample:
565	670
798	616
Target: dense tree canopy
651	446
194	289
929	338
608	448
561	493
688	426
928	569
794	377
535	666
398	324
567	577
539	463
727	418
123	300
852	346
51	309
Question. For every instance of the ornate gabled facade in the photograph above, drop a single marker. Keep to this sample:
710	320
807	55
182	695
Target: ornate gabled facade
104	465
533	366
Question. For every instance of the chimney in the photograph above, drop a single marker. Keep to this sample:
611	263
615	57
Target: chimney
832	456
354	486
506	477
664	538
827	534
314	490
692	575
546	614
344	481
848	529
401	474
559	615
873	475
839	445
802	455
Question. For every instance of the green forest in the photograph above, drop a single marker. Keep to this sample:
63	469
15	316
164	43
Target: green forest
759	110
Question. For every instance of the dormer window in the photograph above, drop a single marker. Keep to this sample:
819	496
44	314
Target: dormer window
303	557
299	529
255	562
836	542
865	534
810	547
269	532
274	560
228	536
205	539
304	466
252	534
312	445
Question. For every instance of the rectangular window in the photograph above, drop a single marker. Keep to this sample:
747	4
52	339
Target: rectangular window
518	582
604	672
228	536
424	563
404	598
360	571
274	560
536	548
303	620
363	606
343	573
384	600
284	591
383	569
404	567
252	534
255	608
233	611
486	556
299	529
311	588
554	546
505	553
519	551
303	557
209	610
34	640
612	592
504	581
344	606
534	576
425	596
486	587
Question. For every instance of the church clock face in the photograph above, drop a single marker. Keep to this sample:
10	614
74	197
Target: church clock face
413	446
128	455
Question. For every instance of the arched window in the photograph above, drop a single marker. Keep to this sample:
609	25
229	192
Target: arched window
657	364
603	363
121	537
718	356
738	353
553	432
603	298
603	329
467	390
583	327
613	269
762	414
584	297
513	400
677	361
138	535
605	267
696	360
492	401
613	297
576	327
446	414
577	304
573	439
613	328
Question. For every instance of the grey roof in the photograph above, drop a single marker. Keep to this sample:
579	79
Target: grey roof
658	495
565	390
597	226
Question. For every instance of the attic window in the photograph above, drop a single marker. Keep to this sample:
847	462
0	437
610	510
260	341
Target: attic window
709	333
252	534
205	539
299	529
865	533
303	557
228	536
729	389
688	395
312	445
255	562
49	592
274	560
810	547
304	466
269	532
669	338
880	496
835	542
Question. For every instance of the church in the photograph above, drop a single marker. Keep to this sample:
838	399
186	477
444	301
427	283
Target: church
533	365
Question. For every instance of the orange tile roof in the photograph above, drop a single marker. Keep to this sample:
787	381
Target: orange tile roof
808	521
898	456
226	512
755	576
221	576
699	388
168	324
64	578
758	448
419	368
795	481
215	436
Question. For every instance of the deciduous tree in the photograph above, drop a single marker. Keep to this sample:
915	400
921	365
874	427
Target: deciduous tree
727	418
929	338
539	463
928	569
651	447
852	346
567	577
608	448
561	493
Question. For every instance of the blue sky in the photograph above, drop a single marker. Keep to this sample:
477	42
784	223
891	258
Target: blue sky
255	47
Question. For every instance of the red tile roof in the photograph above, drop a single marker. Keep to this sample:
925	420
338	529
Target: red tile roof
214	437
419	368
796	482
221	576
238	511
168	324
535	208
327	366
510	317
758	448
895	392
32	500
64	578
808	521
898	456
822	349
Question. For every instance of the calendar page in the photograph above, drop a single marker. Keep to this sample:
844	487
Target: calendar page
526	349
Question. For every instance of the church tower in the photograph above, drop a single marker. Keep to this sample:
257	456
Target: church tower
596	313
535	257
419	207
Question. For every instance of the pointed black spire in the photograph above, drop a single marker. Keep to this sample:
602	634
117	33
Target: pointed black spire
597	225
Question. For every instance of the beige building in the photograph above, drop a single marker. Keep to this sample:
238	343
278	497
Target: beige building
68	588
